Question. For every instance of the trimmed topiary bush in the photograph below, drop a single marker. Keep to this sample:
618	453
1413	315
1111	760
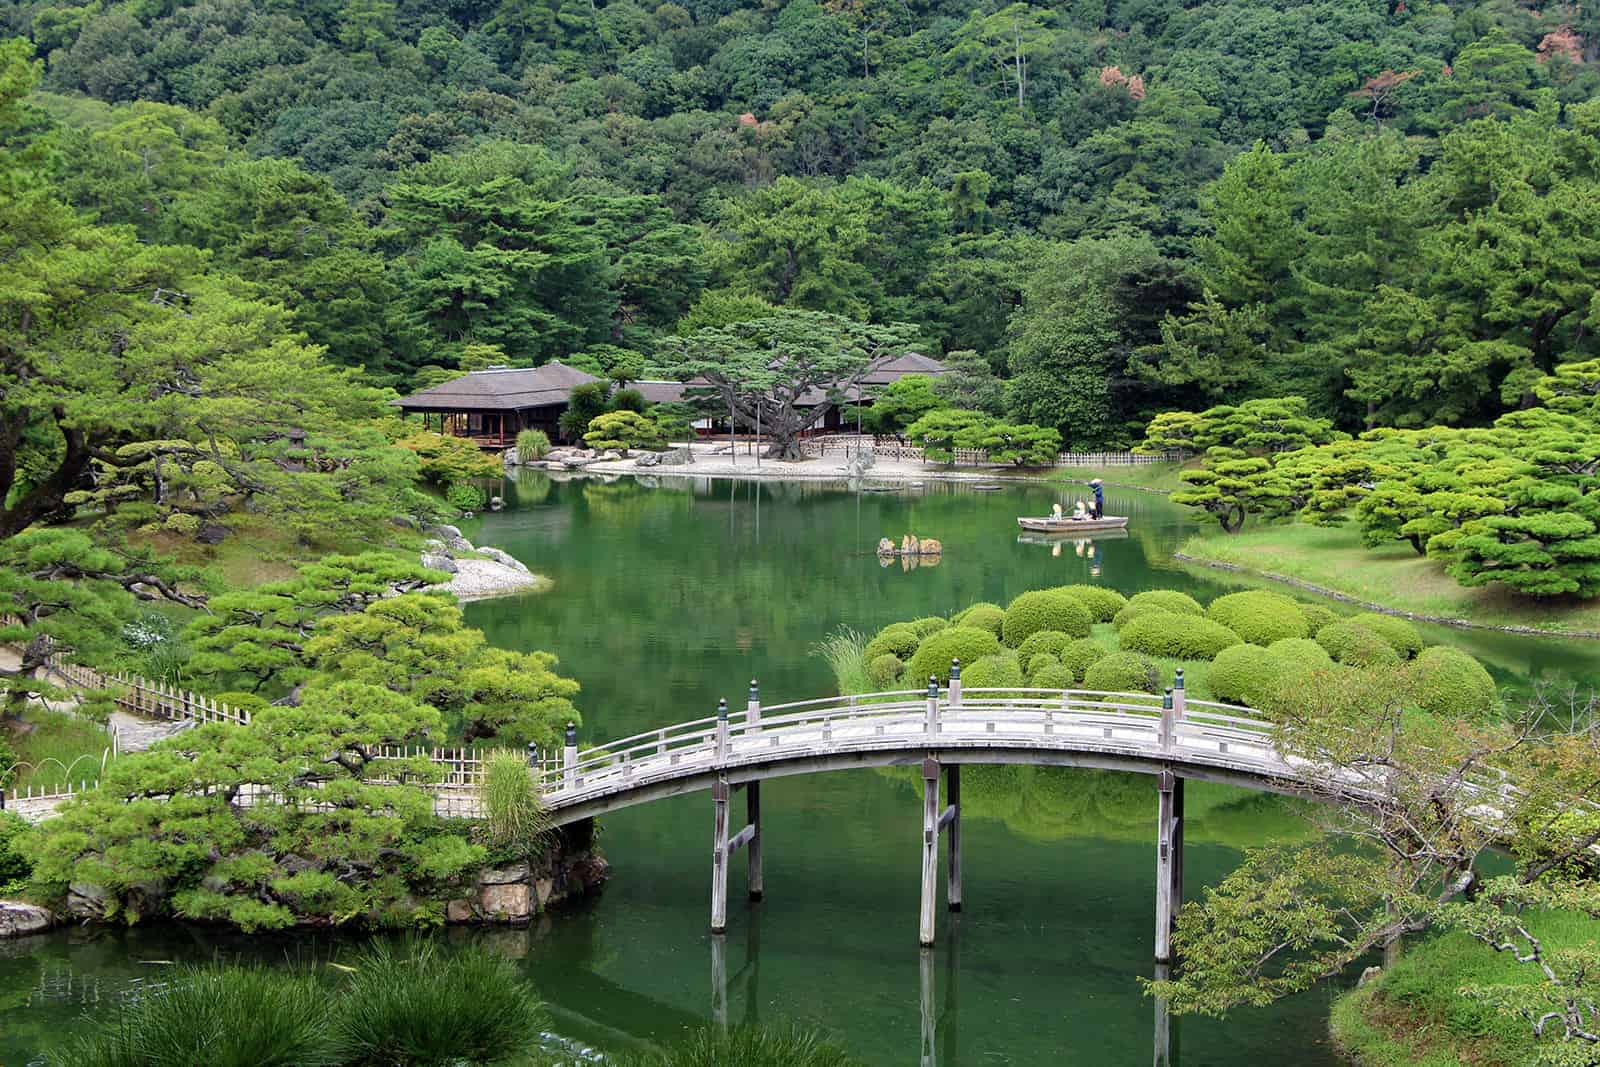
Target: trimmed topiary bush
957	642
1354	645
1103	603
1123	672
1051	641
1243	674
1301	652
895	640
1169	600
1161	633
982	616
1079	656
1317	616
1054	677
1044	609
1040	661
999	671
1259	617
925	626
1449	682
883	671
1400	634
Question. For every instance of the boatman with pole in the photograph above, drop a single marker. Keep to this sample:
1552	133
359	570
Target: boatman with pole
1099	497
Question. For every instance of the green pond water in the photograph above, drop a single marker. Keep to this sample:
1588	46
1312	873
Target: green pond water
668	596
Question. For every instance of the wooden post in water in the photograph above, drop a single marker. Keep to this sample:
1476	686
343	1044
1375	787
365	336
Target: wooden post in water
719	856
719	981
1166	1038
752	808
930	847
1169	861
929	1013
952	789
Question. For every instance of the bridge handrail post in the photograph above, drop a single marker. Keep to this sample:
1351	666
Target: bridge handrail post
722	731
752	708
569	756
933	705
954	699
1178	695
1166	720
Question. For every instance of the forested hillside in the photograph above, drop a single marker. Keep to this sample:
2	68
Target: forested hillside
1390	207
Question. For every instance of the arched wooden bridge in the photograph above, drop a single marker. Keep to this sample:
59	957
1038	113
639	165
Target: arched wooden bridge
1168	736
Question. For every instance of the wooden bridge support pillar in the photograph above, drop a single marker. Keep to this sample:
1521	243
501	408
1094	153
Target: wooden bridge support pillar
1165	1051
752	808
930	1017
723	847
719	981
933	822
952	793
1169	861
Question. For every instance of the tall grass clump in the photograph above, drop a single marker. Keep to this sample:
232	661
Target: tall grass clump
515	813
416	1006
845	650
532	444
218	1016
769	1046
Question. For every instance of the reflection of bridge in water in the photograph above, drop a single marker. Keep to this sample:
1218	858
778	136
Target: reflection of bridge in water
1169	737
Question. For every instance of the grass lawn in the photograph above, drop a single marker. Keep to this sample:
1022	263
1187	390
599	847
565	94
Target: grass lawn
60	748
1160	477
1393	576
1412	1016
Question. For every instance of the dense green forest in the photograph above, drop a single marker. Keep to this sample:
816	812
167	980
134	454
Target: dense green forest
1123	206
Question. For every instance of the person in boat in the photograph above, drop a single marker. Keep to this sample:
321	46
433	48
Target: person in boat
1099	498
1079	513
1055	511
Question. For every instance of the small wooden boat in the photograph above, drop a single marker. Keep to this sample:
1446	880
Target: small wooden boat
1066	525
987	487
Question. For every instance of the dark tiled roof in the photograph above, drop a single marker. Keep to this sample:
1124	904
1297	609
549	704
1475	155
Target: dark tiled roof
501	390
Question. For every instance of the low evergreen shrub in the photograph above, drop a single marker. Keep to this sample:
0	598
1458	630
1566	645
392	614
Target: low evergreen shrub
1044	609
1051	641
1400	634
883	671
1040	661
1083	653
933	656
1103	603
999	671
14	867
982	616
1243	674
1317	616
927	625
1354	645
464	496
1448	682
1259	617
1302	652
532	444
1053	677
1123	672
897	639
1156	600
1161	633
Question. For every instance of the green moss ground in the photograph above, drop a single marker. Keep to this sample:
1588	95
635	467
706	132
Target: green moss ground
1159	477
60	748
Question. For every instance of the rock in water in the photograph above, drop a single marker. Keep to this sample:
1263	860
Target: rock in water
20	920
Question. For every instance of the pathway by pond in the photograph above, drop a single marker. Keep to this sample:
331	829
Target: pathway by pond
665	598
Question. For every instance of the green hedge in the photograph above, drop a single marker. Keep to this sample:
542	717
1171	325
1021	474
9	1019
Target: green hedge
933	656
883	671
897	639
1400	634
1243	674
1040	661
1354	645
1156	600
1302	652
1056	677
999	671
1083	653
1318	616
982	616
928	625
1161	633
1044	609
1051	641
1123	672
1259	617
1103	603
1448	682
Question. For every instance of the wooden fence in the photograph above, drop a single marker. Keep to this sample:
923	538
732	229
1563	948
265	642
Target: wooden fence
155	700
890	448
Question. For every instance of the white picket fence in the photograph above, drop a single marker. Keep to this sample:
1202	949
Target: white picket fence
889	448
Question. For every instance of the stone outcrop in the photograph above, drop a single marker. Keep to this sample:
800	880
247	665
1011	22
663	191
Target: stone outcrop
19	920
514	894
497	573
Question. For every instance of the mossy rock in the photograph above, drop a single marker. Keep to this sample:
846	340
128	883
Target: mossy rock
1400	634
1354	645
1044	609
895	640
1161	633
1040	661
1054	677
1051	641
1259	617
1123	672
933	656
1448	682
929	624
1169	600
982	616
883	671
999	671
1103	603
1318	616
1083	653
1244	674
1301	652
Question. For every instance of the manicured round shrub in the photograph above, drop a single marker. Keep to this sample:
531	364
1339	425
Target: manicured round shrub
1051	641
1044	609
1354	645
999	671
1243	674
1400	634
897	639
1318	616
1103	603
1301	652
1040	661
1449	682
1169	600
930	624
1079	656
1123	672
982	616
933	656
1161	633
884	670
1259	617
1056	677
